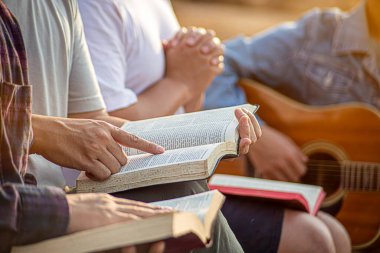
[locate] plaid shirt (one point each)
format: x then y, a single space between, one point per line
27 213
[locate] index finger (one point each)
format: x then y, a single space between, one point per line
255 123
244 127
177 37
133 141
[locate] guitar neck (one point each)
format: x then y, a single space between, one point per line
360 176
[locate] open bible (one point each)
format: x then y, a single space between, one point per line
303 197
194 143
189 227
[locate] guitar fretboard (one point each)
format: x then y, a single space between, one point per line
360 176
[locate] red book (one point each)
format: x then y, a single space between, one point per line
303 197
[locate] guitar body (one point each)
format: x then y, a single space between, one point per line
333 133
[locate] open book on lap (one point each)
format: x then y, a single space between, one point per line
194 143
188 228
303 197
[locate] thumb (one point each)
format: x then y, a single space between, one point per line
133 141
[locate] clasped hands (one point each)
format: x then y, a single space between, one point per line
200 54
194 57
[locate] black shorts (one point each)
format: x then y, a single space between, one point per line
257 224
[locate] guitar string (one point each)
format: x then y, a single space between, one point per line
344 161
315 170
334 180
337 185
338 168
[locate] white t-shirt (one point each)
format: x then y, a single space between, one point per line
60 67
125 42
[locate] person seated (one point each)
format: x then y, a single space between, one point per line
65 86
125 40
28 211
326 57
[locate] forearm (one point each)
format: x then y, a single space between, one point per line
41 131
100 115
161 99
28 213
196 104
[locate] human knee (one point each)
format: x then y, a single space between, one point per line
305 233
318 236
339 233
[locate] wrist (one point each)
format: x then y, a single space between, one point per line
196 104
71 226
42 126
37 123
182 88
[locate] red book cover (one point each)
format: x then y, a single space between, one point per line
280 192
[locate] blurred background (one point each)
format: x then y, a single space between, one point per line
232 17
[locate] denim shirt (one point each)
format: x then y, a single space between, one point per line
323 58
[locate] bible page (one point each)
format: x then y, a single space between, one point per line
171 157
186 119
198 204
189 136
186 130
190 129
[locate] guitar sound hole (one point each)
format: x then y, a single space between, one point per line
323 170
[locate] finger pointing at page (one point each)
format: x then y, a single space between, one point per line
133 141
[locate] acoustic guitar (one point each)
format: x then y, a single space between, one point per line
343 146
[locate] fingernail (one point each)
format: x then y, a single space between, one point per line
165 208
191 41
245 110
205 49
160 149
174 42
215 61
249 141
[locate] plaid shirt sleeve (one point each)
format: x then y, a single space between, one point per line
30 214
27 213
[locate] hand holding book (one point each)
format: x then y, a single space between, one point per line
106 210
194 143
249 129
97 142
189 227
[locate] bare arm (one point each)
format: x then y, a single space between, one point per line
196 104
99 115
161 99
189 71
